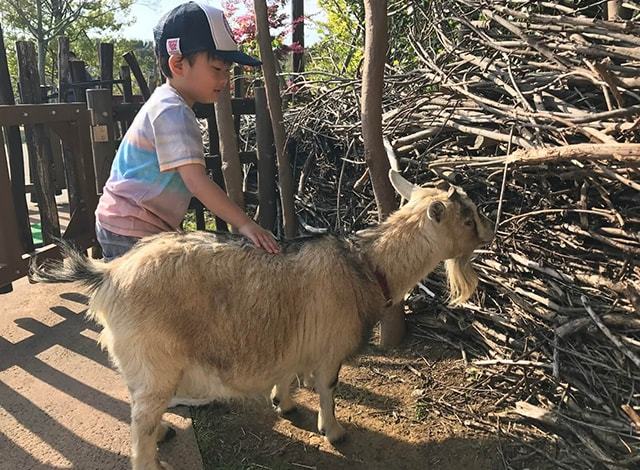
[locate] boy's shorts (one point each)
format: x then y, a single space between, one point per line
113 245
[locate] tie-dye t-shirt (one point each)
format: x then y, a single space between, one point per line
145 194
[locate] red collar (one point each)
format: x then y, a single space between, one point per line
384 286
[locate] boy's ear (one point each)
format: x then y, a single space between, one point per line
176 64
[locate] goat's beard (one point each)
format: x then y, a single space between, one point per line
463 280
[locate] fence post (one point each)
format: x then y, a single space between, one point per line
127 94
266 162
102 135
16 156
38 143
130 58
56 151
64 96
78 74
231 168
105 55
10 249
214 149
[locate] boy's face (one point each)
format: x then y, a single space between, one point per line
202 81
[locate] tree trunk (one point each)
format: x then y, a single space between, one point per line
274 101
375 45
392 327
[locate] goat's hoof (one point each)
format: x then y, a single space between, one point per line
283 407
335 435
166 433
282 411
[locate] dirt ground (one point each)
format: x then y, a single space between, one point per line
377 402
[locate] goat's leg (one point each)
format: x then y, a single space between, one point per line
165 432
147 406
326 380
281 397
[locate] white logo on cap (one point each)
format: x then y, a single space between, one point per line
173 46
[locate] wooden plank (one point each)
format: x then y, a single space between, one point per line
131 60
16 157
29 114
38 143
102 138
105 56
266 162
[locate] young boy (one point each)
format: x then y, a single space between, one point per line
160 162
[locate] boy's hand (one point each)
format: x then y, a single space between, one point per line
260 237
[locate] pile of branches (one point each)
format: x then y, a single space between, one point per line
534 109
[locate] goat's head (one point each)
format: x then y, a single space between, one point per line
454 226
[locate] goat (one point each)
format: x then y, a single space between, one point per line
195 317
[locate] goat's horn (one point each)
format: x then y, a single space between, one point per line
401 185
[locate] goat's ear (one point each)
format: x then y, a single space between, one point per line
436 211
443 185
403 187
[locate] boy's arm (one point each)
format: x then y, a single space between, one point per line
216 200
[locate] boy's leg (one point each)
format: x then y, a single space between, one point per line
113 245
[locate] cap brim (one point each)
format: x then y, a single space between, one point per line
238 57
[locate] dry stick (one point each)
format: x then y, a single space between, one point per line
504 182
529 40
618 152
634 358
607 241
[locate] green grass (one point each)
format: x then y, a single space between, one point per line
36 233
189 221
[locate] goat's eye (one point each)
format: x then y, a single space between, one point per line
469 222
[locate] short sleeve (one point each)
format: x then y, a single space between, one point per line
177 137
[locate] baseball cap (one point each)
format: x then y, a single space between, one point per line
195 27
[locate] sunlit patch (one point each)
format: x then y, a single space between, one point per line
104 378
26 442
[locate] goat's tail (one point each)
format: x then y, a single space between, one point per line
77 267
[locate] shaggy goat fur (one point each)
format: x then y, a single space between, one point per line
194 317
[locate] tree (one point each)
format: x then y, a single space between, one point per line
340 49
44 20
242 19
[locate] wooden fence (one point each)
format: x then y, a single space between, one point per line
71 145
